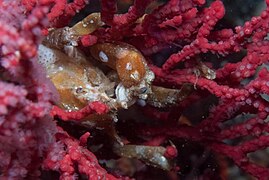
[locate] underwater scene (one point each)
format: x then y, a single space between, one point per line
134 89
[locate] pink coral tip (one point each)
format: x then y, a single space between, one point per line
171 152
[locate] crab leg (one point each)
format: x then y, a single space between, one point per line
164 97
88 24
151 155
69 36
125 59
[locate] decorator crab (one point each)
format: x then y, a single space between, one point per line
79 79
122 79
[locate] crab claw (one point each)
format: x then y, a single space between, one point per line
164 97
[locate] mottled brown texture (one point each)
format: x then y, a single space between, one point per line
124 58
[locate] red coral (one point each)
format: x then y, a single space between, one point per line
94 107
30 138
61 11
25 106
27 129
66 154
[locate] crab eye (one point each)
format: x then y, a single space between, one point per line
143 90
79 90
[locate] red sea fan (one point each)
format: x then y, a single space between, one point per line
27 131
186 31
